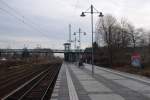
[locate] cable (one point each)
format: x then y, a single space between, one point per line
18 13
24 20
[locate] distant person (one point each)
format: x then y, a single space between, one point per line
80 63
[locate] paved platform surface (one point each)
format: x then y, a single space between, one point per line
76 83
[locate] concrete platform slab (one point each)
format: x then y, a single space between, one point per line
106 97
112 76
75 83
133 85
94 86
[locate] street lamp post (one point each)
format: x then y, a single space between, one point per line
75 45
80 32
100 15
75 40
80 40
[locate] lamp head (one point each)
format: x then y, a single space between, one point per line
74 33
84 33
82 14
101 14
71 41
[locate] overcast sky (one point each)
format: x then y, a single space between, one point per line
45 22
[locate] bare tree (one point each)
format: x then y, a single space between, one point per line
133 34
124 33
106 27
116 35
121 37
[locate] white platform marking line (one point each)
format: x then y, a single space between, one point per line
72 91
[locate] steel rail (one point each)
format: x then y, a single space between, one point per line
20 78
32 87
50 74
23 85
56 73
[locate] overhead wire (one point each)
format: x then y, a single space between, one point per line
18 13
22 18
22 21
31 27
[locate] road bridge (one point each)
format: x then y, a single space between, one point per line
69 55
40 51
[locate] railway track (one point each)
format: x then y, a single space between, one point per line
38 88
8 73
12 82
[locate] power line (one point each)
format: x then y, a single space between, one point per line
21 18
18 13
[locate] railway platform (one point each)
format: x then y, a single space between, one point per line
74 83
